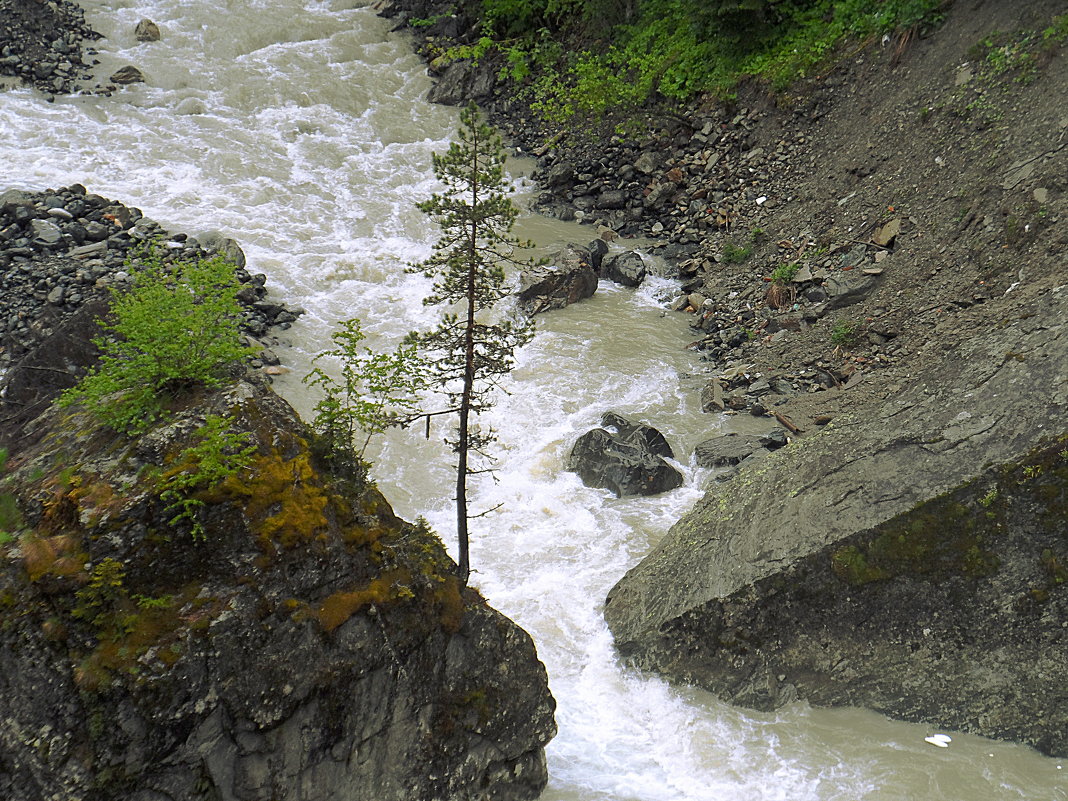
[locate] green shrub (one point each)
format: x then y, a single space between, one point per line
733 254
844 333
376 390
784 273
175 330
681 48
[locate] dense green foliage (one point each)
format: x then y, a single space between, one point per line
470 350
677 48
174 330
376 390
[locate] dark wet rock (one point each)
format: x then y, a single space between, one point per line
567 278
626 268
462 81
598 249
127 75
628 459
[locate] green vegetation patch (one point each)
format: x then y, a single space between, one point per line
173 331
677 49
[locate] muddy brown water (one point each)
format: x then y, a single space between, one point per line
301 129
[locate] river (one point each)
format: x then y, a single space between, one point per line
301 130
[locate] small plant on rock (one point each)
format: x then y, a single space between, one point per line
844 333
174 330
735 254
376 390
218 455
782 293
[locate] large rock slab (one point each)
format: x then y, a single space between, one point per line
628 459
310 645
870 564
727 449
567 277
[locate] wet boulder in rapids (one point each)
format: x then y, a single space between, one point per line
626 268
629 459
568 277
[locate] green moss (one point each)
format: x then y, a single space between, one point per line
852 566
283 499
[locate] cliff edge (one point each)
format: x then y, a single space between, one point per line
307 644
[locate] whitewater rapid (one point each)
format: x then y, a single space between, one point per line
301 130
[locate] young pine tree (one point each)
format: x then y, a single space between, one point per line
470 351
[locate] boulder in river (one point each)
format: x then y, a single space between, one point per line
567 278
126 75
626 268
147 31
629 459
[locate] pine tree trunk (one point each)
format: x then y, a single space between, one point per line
464 562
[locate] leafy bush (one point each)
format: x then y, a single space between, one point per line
174 330
784 273
375 391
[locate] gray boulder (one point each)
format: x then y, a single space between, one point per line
876 562
567 278
848 289
215 242
727 449
627 268
462 81
627 460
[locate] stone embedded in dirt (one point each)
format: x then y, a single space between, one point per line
884 235
147 31
625 268
727 450
568 278
629 459
848 289
127 75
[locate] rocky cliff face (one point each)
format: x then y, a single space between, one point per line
911 562
310 645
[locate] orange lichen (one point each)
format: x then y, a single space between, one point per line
283 499
341 606
57 555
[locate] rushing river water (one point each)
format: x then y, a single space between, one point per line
300 129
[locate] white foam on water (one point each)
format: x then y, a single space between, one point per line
300 129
